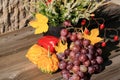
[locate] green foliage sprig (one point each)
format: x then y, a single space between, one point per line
59 11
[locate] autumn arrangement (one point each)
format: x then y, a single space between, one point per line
75 52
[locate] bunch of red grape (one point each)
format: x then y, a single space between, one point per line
81 59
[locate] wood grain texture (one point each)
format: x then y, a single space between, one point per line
15 66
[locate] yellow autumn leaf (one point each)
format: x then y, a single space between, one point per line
61 47
40 23
93 37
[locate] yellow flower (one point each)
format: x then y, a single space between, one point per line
40 23
93 37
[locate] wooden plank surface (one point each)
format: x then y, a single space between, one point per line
15 66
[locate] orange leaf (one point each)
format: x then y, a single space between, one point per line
61 47
93 37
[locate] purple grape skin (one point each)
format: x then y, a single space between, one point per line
81 74
64 71
96 67
79 35
69 67
99 59
86 63
86 42
99 51
83 57
61 56
91 70
84 51
90 56
62 65
93 62
72 55
78 43
64 32
91 47
75 68
67 52
66 76
76 62
73 37
63 38
69 62
77 56
90 51
76 48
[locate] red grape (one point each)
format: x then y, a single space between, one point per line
91 47
67 52
75 69
81 74
62 65
86 42
91 51
71 45
96 67
86 63
77 56
69 62
91 70
69 67
99 59
72 55
79 35
83 57
84 51
73 37
61 56
64 32
78 43
64 71
69 34
76 62
90 56
93 62
76 48
63 38
99 51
